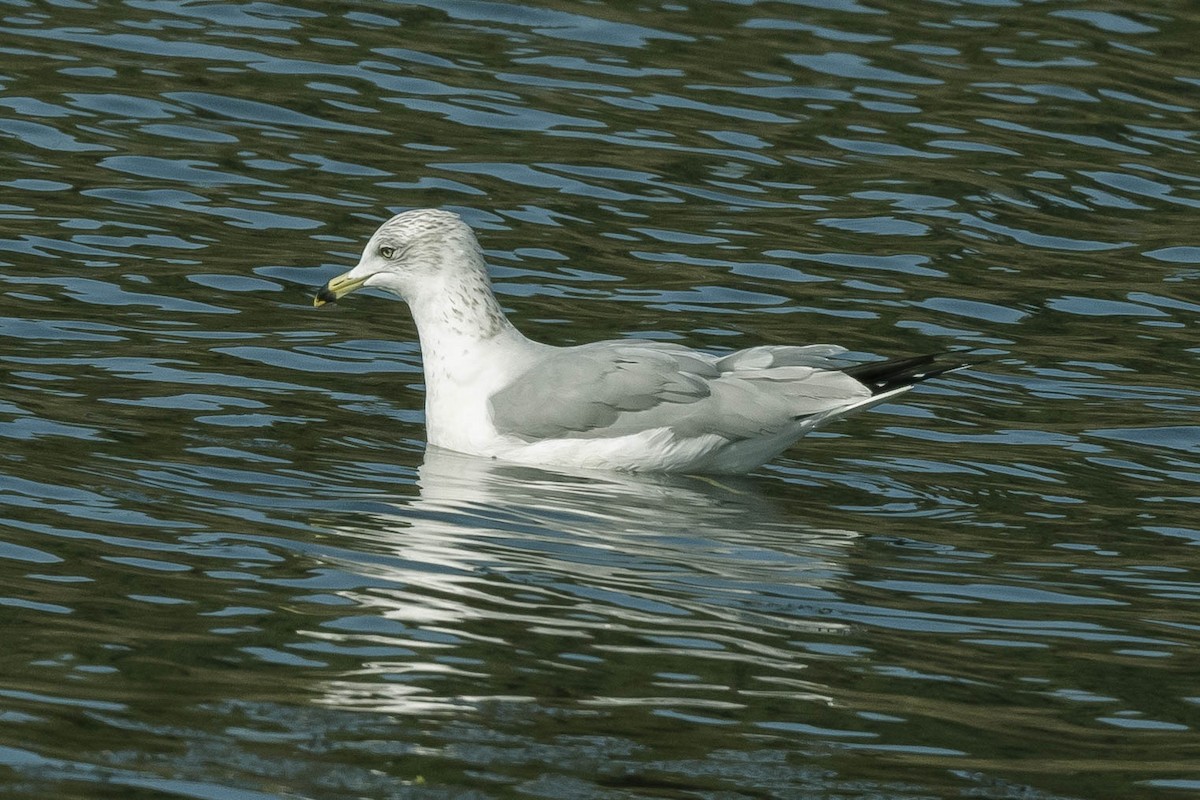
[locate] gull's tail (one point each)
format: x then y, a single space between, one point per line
883 377
887 379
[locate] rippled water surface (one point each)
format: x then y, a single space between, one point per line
230 569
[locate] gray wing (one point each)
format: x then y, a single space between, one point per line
822 356
623 387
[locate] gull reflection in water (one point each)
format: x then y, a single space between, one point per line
492 555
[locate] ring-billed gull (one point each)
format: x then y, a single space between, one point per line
627 404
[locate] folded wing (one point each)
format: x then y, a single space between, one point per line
621 387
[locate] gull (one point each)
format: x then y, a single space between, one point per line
625 404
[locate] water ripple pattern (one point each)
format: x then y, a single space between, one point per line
230 568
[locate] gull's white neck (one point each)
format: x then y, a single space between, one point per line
457 309
469 349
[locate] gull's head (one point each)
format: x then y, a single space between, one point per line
408 251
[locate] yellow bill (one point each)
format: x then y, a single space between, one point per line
337 288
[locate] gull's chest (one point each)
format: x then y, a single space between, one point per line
458 382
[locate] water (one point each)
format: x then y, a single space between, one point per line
229 568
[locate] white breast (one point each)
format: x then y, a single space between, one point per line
459 378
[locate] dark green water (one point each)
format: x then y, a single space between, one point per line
229 569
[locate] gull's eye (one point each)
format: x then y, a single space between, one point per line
387 252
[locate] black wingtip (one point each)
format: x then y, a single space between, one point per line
884 376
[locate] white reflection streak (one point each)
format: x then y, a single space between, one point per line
490 552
